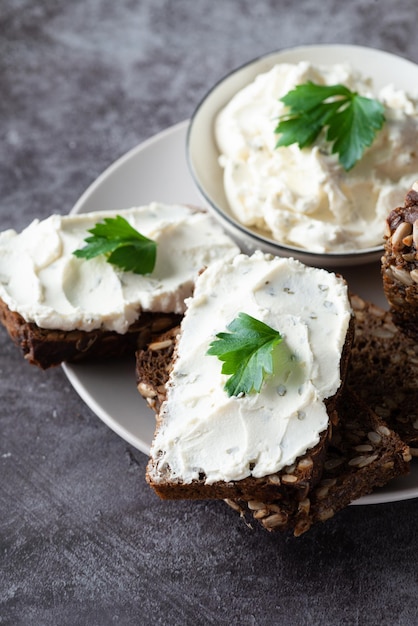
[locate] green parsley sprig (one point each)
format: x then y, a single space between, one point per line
351 120
246 352
123 246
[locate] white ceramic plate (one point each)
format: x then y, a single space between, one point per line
203 153
157 170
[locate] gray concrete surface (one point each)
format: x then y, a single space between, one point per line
83 540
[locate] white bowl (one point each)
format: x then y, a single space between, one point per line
202 152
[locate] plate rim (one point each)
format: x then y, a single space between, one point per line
125 158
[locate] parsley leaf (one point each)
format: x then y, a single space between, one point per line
352 121
246 352
122 244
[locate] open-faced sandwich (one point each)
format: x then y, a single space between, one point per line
252 399
62 300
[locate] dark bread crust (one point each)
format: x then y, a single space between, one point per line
47 348
293 482
399 260
363 454
384 370
153 368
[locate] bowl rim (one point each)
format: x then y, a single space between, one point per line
363 253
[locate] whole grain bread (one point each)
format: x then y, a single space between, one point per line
400 264
40 331
48 347
362 452
292 482
384 369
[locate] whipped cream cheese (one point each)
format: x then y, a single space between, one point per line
304 198
45 283
203 431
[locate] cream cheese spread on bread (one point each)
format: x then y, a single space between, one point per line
202 432
45 283
303 197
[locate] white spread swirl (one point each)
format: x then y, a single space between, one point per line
304 198
41 279
205 432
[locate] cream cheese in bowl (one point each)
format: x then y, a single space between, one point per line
301 202
304 197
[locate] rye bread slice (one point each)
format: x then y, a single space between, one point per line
363 454
47 348
170 283
400 264
384 370
292 482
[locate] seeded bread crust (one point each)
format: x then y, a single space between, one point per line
153 368
400 264
47 347
384 370
363 454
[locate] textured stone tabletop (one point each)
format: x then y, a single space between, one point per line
83 540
